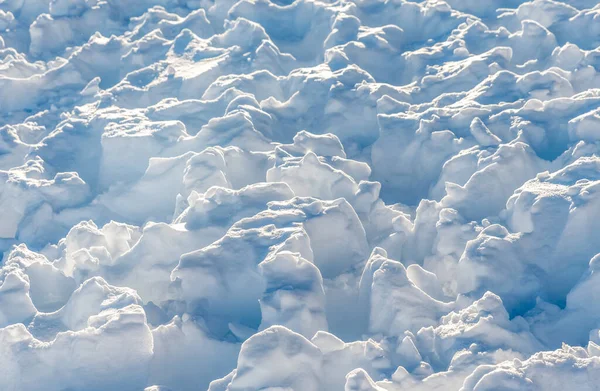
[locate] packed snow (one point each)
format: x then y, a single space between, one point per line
299 195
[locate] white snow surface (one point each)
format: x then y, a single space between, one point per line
299 195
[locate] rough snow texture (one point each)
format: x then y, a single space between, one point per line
309 195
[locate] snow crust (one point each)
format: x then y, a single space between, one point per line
299 195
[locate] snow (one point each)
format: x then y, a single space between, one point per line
298 195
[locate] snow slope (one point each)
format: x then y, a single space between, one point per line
308 195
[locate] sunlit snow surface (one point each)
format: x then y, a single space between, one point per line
318 195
